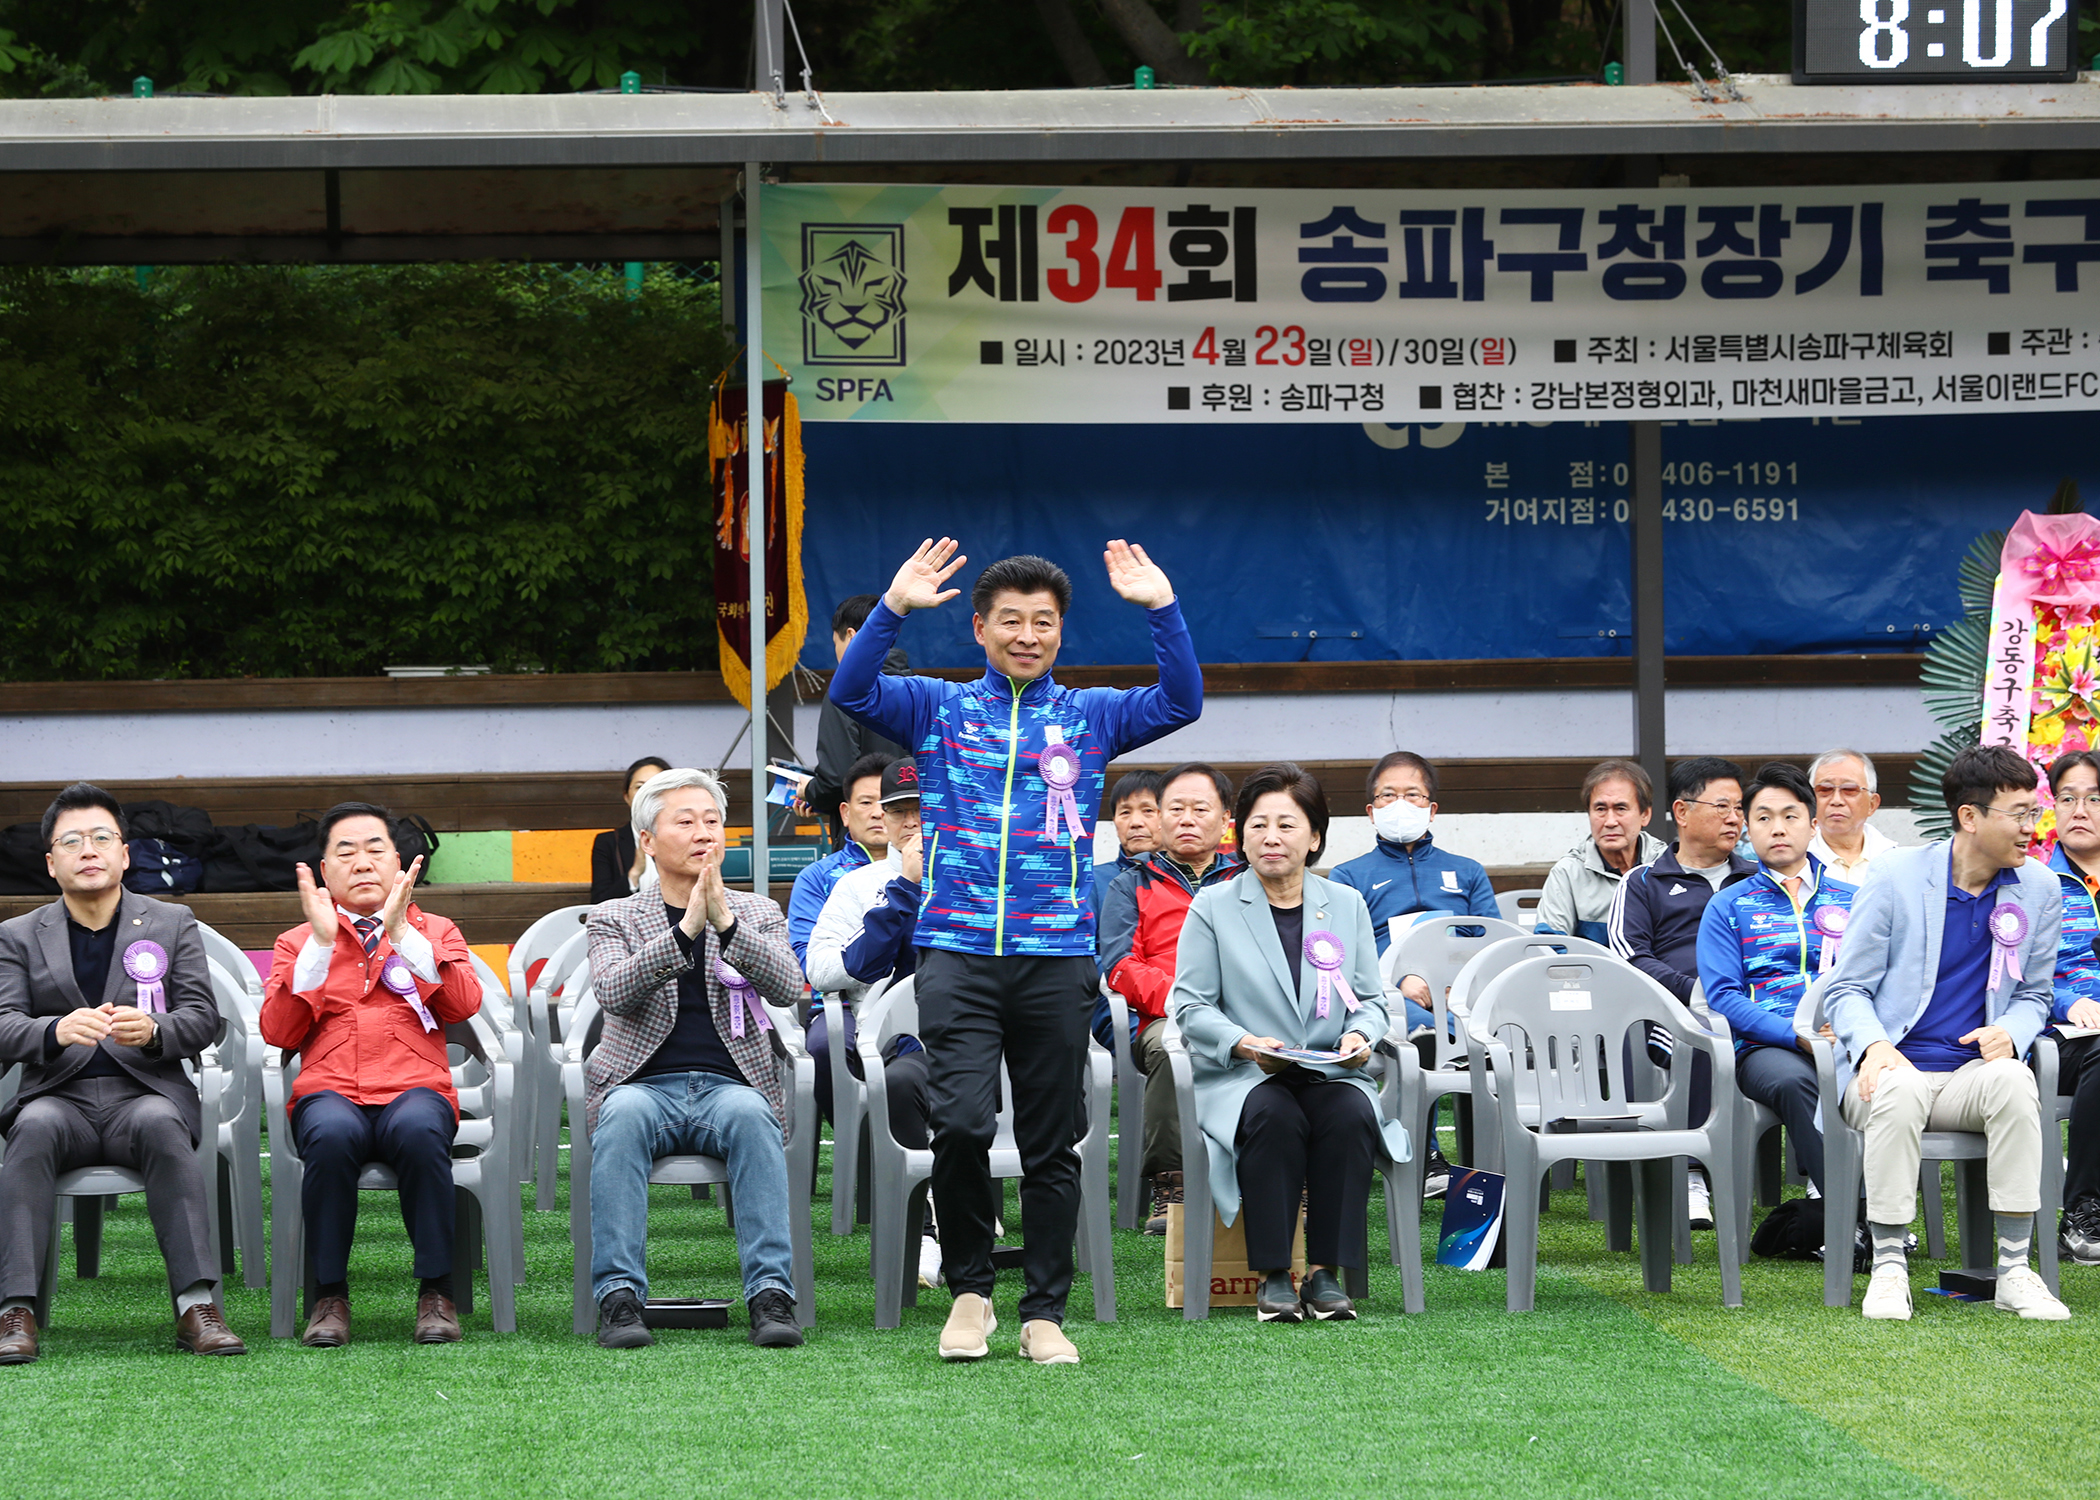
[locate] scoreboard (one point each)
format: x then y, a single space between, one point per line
1935 41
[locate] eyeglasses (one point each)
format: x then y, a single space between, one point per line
1846 789
2073 801
101 838
2027 819
1386 797
1725 809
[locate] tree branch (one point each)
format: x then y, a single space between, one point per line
1072 47
1153 41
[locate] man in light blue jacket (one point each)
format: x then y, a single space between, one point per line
1944 980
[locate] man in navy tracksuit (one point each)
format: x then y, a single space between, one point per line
1407 872
1761 943
1010 770
1655 917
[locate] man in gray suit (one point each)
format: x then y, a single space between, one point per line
1945 976
103 993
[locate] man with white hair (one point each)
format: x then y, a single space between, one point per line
1847 795
686 1062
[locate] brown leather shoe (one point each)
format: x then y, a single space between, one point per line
329 1327
203 1330
437 1320
17 1336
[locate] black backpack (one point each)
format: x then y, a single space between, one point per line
260 857
415 839
185 828
159 868
22 868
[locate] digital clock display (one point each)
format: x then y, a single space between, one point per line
1934 41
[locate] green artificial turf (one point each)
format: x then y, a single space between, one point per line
1603 1391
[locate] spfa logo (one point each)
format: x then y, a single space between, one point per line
853 294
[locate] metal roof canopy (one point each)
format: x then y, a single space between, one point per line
616 177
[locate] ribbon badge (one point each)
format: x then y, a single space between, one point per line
743 996
396 975
2008 930
1830 921
1325 952
147 962
1060 769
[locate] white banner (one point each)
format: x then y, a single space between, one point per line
985 304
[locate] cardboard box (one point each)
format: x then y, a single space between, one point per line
1232 1282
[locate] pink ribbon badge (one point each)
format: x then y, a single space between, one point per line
1830 921
743 996
1325 952
2008 925
147 962
1060 771
396 975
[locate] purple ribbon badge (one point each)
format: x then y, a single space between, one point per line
1325 952
1830 921
396 975
1060 770
2008 930
743 996
147 962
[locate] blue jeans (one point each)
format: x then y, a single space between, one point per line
675 1114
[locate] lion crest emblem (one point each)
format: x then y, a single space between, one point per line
852 294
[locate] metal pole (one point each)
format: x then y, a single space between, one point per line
1648 702
1640 41
768 46
755 530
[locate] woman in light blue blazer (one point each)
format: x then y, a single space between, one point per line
1278 959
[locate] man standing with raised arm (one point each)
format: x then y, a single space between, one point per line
1010 773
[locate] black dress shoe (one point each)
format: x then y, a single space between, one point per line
1324 1299
620 1324
1277 1301
773 1320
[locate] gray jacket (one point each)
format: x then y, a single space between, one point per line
1230 981
1580 888
36 987
1890 958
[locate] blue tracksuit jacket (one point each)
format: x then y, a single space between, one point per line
2077 970
1757 955
994 883
1395 879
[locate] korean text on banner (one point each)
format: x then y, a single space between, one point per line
986 304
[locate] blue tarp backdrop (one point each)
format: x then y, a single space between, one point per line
1436 543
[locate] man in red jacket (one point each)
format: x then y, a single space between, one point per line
1140 935
364 990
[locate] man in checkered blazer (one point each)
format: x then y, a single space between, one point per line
686 1063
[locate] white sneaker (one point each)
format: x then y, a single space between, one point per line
1700 1199
929 1262
1888 1294
2023 1292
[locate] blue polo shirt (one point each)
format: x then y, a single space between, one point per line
1963 984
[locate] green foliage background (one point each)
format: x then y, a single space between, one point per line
327 471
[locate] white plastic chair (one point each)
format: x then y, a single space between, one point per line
586 1024
898 1176
849 1118
488 1194
222 950
1520 907
1562 1025
1436 946
86 1187
539 1081
238 1174
1131 1204
1844 1166
1399 1073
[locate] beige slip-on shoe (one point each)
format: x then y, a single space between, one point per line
969 1327
1045 1343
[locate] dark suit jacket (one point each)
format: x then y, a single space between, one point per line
612 856
36 987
